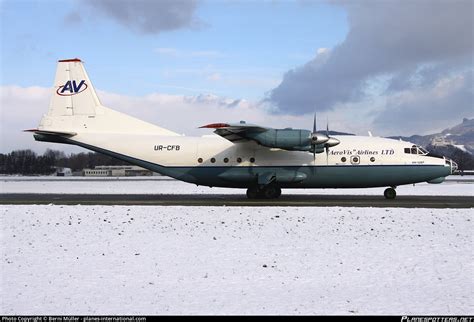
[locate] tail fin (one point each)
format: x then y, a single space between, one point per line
73 91
75 107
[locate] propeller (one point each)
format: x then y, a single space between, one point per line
317 138
322 139
330 142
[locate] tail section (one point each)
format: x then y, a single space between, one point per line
76 108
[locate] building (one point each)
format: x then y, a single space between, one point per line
117 171
63 172
441 141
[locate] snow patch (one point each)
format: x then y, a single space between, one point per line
59 260
166 185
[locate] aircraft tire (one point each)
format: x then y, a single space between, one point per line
390 193
253 193
278 193
271 192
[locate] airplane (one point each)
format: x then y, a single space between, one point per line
260 159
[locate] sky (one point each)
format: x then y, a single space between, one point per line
394 68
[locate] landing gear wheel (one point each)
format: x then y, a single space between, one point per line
271 192
253 193
390 193
278 193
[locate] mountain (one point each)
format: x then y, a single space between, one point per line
456 143
465 128
460 136
464 160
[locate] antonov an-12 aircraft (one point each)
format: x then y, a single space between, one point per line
263 160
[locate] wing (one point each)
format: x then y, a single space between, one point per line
236 133
285 139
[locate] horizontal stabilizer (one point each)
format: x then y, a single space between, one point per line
36 131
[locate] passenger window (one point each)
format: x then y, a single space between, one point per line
355 159
239 160
226 160
252 160
213 160
407 150
343 159
414 151
372 159
200 160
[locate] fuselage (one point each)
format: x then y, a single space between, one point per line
357 162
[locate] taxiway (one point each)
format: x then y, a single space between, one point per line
297 200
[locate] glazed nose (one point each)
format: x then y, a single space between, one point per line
453 165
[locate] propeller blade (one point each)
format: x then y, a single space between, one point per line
314 123
327 146
314 131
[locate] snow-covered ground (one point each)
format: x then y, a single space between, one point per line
454 186
233 260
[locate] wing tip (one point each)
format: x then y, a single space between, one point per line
214 126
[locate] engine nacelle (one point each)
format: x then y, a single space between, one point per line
286 139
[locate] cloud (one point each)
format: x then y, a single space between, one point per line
147 16
430 109
72 18
22 109
411 46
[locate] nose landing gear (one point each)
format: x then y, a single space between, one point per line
390 193
265 192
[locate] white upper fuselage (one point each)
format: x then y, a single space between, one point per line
184 151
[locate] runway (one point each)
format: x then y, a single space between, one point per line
299 200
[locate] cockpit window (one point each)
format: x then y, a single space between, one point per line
422 150
416 149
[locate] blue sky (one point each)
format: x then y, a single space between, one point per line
239 49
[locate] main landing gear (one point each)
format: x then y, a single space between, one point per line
265 192
390 193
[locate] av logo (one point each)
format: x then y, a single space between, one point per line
72 88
